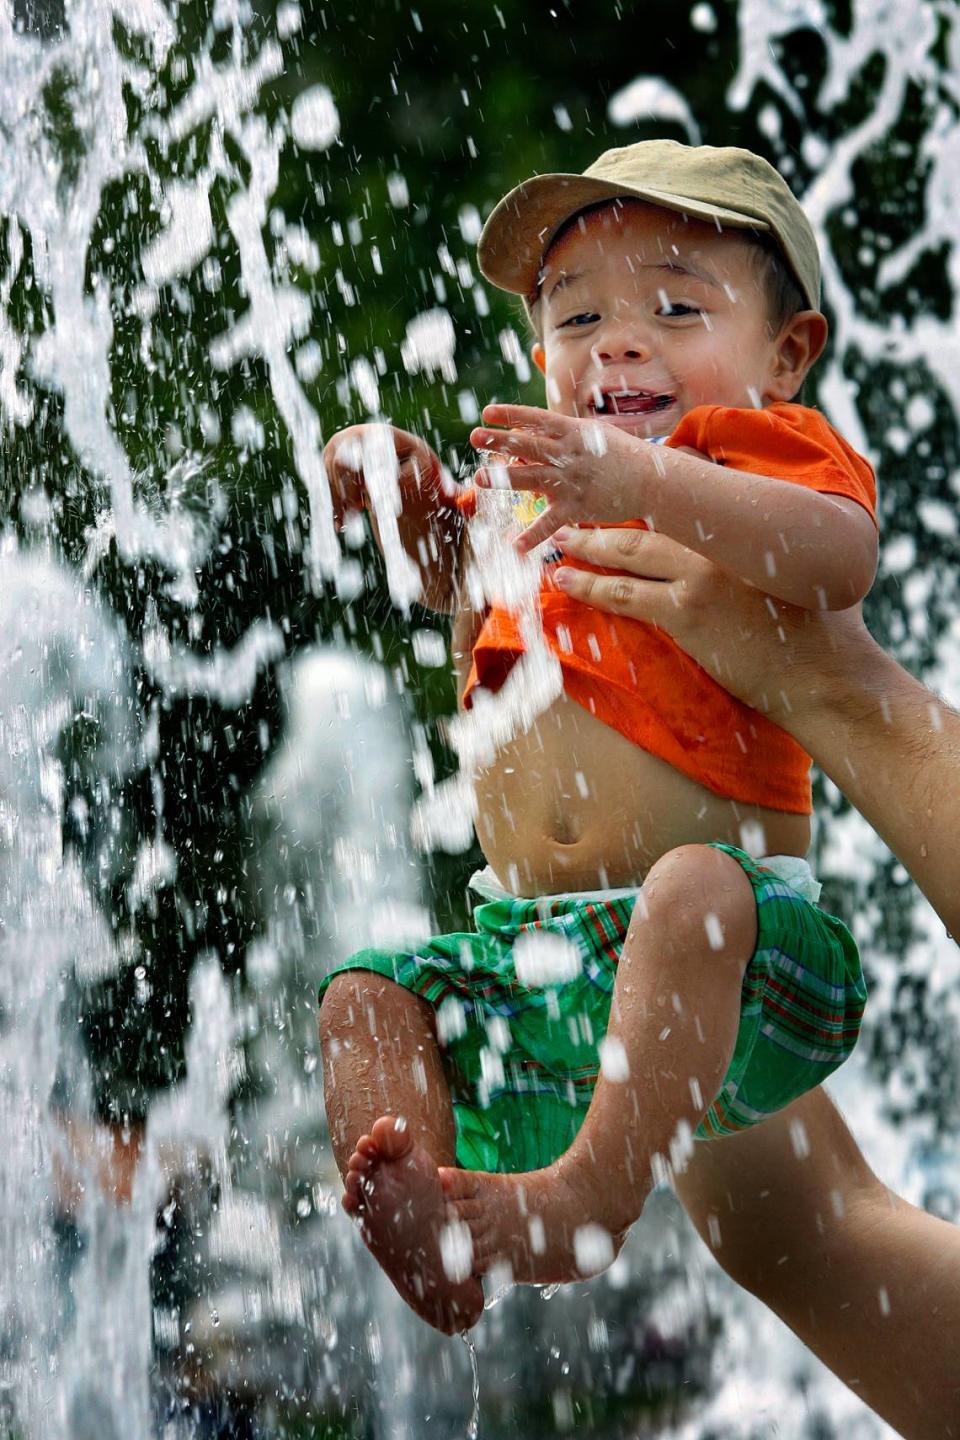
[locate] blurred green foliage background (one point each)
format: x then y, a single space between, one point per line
442 108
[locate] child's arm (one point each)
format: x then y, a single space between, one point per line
429 523
810 549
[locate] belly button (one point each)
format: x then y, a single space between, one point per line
563 832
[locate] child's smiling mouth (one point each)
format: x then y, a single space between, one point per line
621 403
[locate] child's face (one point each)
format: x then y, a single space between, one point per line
647 315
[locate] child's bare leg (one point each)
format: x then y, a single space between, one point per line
391 1126
673 1026
380 1057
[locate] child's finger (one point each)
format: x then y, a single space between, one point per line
520 477
516 444
526 417
540 529
352 502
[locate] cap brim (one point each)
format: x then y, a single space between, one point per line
519 231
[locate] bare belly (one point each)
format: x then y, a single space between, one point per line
574 805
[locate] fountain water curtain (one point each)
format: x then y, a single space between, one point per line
61 656
110 108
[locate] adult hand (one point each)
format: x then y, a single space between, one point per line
774 656
891 746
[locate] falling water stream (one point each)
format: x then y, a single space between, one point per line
278 1311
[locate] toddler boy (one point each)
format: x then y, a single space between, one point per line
639 970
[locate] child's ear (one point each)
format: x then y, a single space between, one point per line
539 357
799 346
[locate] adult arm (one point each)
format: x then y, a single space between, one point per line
865 1280
809 548
888 742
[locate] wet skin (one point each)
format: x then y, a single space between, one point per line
392 1189
662 317
651 316
574 805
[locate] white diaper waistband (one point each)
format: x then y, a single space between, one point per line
793 870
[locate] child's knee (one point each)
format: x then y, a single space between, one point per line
363 1006
701 893
346 1005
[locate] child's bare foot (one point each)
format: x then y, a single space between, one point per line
393 1189
544 1224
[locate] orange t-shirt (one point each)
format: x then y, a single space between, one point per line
634 678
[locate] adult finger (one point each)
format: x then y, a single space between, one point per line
645 553
650 600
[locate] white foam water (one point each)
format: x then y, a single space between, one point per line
61 655
333 845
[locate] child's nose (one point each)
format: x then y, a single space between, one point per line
614 348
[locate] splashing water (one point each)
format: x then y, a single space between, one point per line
878 326
62 658
473 1426
200 145
497 575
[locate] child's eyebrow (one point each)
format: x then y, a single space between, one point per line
567 277
664 267
687 267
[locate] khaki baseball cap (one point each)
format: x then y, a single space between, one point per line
722 184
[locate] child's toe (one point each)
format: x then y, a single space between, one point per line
458 1185
471 1212
392 1137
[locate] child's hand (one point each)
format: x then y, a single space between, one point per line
420 475
586 469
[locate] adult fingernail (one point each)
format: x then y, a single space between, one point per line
562 535
563 577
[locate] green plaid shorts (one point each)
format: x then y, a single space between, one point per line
521 1054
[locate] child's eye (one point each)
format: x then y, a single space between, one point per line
586 317
678 308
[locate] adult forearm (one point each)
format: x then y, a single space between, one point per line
865 1280
890 745
893 748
